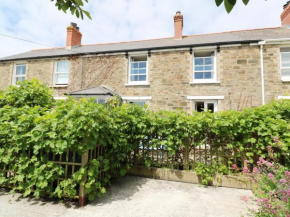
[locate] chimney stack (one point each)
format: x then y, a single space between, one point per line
285 16
178 25
74 37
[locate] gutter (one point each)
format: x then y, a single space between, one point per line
261 43
138 49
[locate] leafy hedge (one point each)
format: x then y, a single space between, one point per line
30 120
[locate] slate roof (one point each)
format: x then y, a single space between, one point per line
99 90
243 36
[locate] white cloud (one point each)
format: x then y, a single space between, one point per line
124 20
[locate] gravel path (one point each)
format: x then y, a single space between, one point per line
140 197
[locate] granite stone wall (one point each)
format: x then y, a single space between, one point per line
170 77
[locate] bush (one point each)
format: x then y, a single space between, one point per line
30 123
31 93
271 183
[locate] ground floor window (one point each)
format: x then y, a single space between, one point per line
140 103
205 105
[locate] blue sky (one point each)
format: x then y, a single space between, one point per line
125 20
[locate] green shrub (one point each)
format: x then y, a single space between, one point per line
29 92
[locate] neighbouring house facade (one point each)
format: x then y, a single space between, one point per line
219 71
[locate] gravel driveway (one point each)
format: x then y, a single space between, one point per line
140 197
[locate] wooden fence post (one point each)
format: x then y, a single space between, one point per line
186 154
82 191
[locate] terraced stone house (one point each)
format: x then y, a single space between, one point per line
219 71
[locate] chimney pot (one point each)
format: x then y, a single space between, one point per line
178 25
285 16
74 37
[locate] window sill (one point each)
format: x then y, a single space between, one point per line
137 84
205 82
285 79
64 85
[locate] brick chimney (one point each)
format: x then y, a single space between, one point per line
74 37
285 16
178 25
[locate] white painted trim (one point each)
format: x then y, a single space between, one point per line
283 97
206 102
204 97
137 97
200 81
262 73
147 70
55 73
283 78
18 63
60 98
205 82
137 84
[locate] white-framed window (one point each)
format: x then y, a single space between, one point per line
285 64
139 100
19 73
205 105
61 72
140 103
204 66
138 69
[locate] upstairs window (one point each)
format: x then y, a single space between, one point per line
19 73
204 66
285 64
138 72
61 72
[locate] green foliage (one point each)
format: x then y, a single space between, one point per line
31 93
206 172
75 7
229 4
31 130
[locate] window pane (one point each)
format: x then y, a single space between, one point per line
139 103
210 107
134 78
20 79
198 61
198 68
134 71
61 78
199 106
101 101
142 78
142 71
62 66
134 65
208 61
208 68
208 75
198 75
142 65
20 70
286 72
285 59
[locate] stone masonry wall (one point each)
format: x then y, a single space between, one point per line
170 73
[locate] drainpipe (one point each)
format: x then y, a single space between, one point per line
261 43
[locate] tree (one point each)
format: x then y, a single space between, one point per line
75 7
229 4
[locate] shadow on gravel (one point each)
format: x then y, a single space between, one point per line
123 189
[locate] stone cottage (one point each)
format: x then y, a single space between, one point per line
218 71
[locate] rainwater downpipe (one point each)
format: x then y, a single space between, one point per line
261 43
